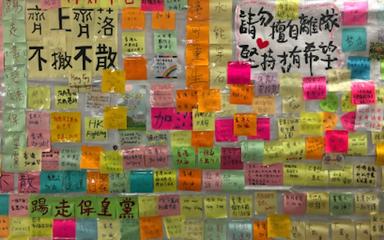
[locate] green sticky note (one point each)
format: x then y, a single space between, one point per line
181 138
70 158
215 230
232 180
85 207
330 103
382 69
252 151
15 53
106 207
209 158
129 229
38 206
183 157
16 95
14 30
133 42
119 182
62 207
14 120
94 129
127 207
165 42
155 138
176 5
14 141
341 203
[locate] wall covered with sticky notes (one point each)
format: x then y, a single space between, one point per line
192 119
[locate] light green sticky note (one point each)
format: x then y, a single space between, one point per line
165 42
16 95
70 158
357 144
133 42
127 207
119 182
203 121
330 103
94 129
39 97
14 141
176 5
15 53
252 151
341 203
232 180
14 120
155 138
181 138
129 229
14 30
183 157
209 158
215 230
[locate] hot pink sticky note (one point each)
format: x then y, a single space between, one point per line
169 205
363 92
64 229
259 174
37 120
348 121
355 13
50 160
162 118
18 205
7 182
314 87
156 157
29 182
239 73
224 130
294 203
162 95
182 121
336 141
231 158
151 5
134 157
212 180
263 130
39 139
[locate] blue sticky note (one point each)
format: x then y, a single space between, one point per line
240 230
360 67
86 229
4 204
52 181
141 181
354 39
75 181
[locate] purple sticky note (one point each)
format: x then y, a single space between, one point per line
314 87
29 182
355 13
231 158
294 203
152 5
224 130
169 205
263 130
18 205
348 121
64 229
162 118
239 73
212 180
259 174
7 182
336 141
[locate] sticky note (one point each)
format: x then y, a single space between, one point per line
162 118
318 203
4 226
354 39
132 18
191 206
164 181
357 144
241 94
115 117
294 203
130 229
343 229
177 5
183 157
69 158
202 138
189 180
287 10
165 20
186 100
376 225
314 148
355 13
258 174
133 43
113 81
360 67
157 156
263 129
369 117
314 88
265 202
107 228
348 121
169 205
279 226
260 229
141 181
135 68
238 73
329 120
224 130
215 230
19 227
366 203
209 100
231 158
4 204
215 206
311 123
203 121
336 141
317 230
65 98
245 124
65 126
85 228
174 226
151 228
94 129
64 228
148 206
240 206
152 6
165 42
242 230
341 203
97 182
111 162
330 103
338 79
39 97
232 180
208 158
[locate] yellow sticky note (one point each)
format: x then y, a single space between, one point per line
305 175
357 144
113 81
39 97
317 230
377 137
111 162
115 117
240 206
380 154
293 149
19 227
338 80
181 138
148 206
65 127
318 203
265 203
366 203
108 229
29 160
379 95
288 127
341 177
133 43
264 105
94 129
65 98
203 121
311 123
41 227
363 231
191 206
174 226
272 152
298 230
193 229
343 230
164 181
287 9
215 206
377 224
279 226
346 102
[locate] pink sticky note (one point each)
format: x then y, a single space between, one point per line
50 160
39 139
37 120
169 205
212 180
294 203
134 157
224 130
18 205
363 92
259 174
182 121
348 121
50 4
239 73
162 118
263 130
156 157
29 182
162 95
314 87
7 182
231 158
355 13
369 117
336 141
151 5
64 229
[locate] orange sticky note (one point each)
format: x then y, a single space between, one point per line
164 20
380 154
202 138
186 100
4 226
151 228
189 180
135 68
198 10
209 100
65 127
115 117
314 148
245 124
260 230
197 32
113 81
197 77
329 120
90 157
132 18
241 94
197 54
97 183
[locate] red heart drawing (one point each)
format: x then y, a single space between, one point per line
262 44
